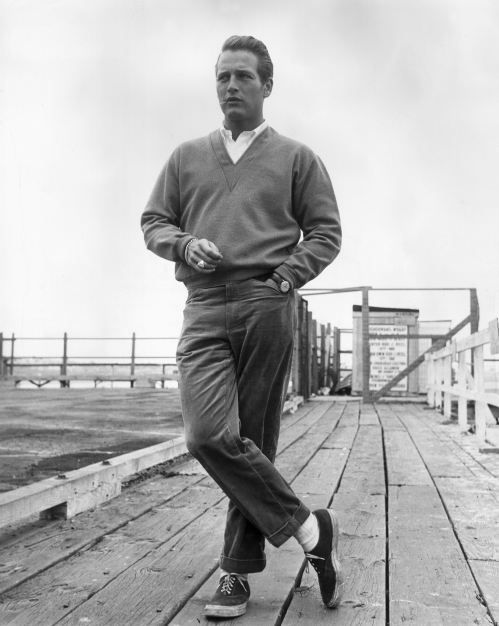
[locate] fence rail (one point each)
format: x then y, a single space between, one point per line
310 371
466 357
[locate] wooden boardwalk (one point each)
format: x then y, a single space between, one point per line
418 507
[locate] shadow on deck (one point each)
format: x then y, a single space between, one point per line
418 507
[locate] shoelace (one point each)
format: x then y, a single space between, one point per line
228 583
313 560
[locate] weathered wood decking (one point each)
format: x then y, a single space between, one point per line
418 508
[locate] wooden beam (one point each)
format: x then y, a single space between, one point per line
81 489
417 362
366 353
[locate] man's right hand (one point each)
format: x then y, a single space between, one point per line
204 252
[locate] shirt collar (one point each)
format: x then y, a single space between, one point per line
227 134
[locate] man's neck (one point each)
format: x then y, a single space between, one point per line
236 128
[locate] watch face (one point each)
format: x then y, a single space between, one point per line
285 286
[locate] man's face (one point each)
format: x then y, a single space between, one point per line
239 88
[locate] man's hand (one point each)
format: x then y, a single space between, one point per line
203 256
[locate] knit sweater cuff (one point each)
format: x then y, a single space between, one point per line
285 273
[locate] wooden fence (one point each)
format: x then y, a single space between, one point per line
457 371
310 371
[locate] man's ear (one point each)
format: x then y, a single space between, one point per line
267 87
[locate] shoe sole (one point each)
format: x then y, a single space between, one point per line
218 610
335 561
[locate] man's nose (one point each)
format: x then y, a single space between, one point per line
232 86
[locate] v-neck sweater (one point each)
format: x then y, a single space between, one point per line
254 211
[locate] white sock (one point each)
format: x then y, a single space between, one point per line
308 533
224 573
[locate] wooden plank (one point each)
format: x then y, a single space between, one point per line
436 454
25 554
487 575
430 582
190 500
211 545
314 411
471 502
82 489
473 508
368 416
360 504
57 591
154 588
404 464
272 590
388 417
463 445
365 470
293 458
362 555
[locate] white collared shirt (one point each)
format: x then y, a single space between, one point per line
237 148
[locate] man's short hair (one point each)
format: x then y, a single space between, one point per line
257 47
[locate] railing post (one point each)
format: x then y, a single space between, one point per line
323 364
474 312
438 383
64 364
480 406
430 379
336 353
132 360
462 402
11 364
366 354
447 363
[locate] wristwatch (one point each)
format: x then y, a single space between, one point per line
284 285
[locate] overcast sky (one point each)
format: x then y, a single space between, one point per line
399 98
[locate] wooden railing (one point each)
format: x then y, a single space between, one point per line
458 370
310 372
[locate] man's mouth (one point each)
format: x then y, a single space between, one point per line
232 100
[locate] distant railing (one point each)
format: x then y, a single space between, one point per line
468 383
89 367
310 373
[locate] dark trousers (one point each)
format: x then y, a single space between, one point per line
233 358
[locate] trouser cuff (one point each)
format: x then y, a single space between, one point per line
290 527
242 566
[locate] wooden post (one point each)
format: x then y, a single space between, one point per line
438 383
11 364
474 322
314 373
474 312
366 368
304 356
337 353
323 363
462 402
430 377
295 365
480 407
447 363
132 360
64 365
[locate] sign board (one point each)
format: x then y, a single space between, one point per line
388 356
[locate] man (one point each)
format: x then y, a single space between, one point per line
229 210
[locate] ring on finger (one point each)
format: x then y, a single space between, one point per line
201 264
